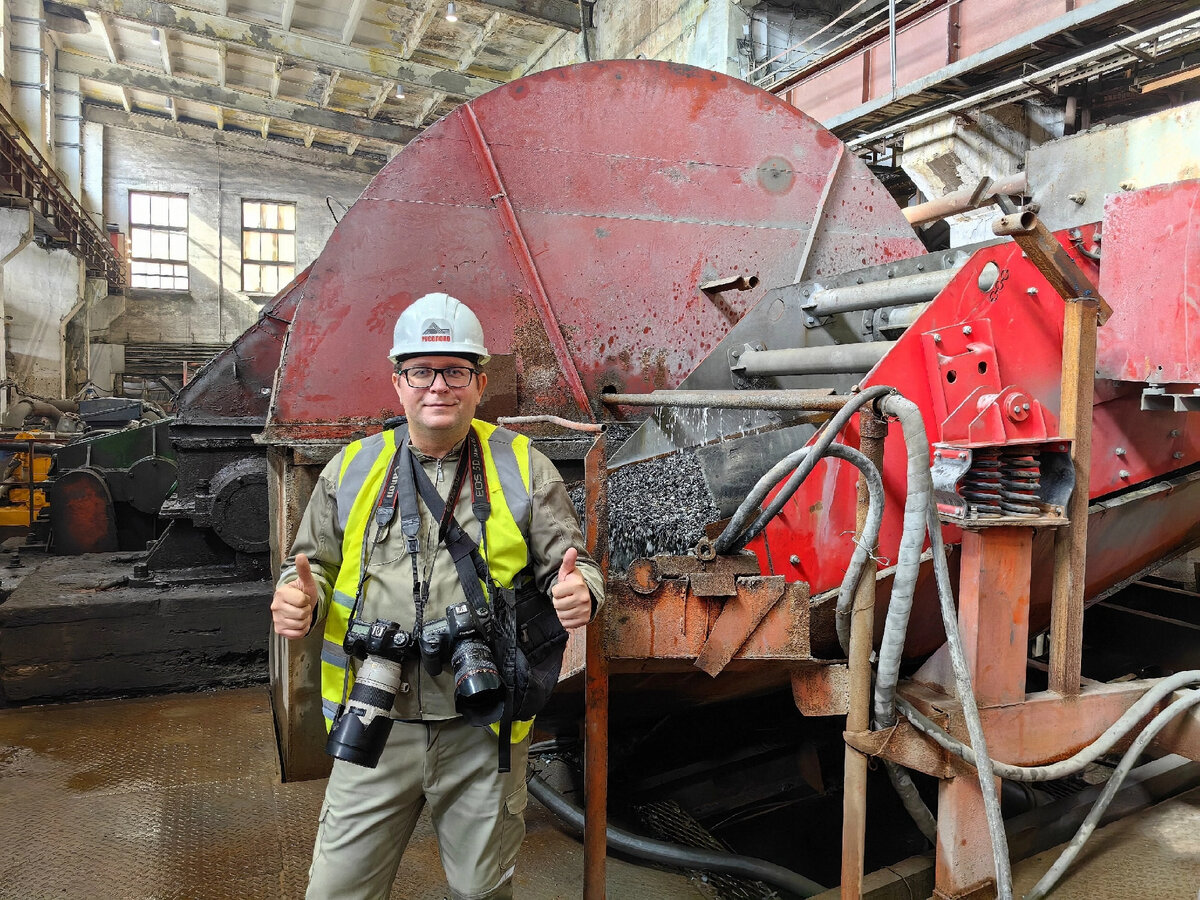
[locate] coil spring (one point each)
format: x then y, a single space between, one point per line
1003 483
1019 481
980 487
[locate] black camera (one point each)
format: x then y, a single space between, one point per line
463 637
361 729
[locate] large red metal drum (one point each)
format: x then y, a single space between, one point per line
579 211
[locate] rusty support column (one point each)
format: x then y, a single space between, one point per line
1070 542
873 430
595 767
993 619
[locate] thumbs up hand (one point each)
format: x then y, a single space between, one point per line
293 603
571 598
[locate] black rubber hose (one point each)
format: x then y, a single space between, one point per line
673 855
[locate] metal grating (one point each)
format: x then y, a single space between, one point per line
158 798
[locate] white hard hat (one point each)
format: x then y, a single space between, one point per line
438 324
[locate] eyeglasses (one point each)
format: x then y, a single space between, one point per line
421 377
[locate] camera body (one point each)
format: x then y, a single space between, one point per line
362 726
378 638
463 637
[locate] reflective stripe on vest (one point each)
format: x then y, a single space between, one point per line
364 466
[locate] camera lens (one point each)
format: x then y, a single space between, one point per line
361 731
478 691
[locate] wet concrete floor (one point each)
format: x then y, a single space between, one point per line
179 796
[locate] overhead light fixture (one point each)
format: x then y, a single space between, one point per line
155 37
399 92
451 12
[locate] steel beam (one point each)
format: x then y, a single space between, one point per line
255 104
206 134
292 45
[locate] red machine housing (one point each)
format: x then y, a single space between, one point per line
579 211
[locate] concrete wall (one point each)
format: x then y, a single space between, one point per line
216 180
40 287
703 33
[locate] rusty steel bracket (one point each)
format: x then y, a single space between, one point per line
741 614
1051 259
708 578
904 745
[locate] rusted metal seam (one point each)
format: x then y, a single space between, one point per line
541 300
811 237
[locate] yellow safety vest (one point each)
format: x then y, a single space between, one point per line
365 464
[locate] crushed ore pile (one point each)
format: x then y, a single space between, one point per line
657 506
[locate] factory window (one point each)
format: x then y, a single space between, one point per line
268 245
158 241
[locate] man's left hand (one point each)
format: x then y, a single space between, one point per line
572 600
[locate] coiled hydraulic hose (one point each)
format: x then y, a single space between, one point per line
736 535
674 855
920 503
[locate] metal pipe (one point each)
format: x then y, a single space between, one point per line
877 294
595 720
732 283
872 431
892 41
821 400
592 427
961 201
836 359
30 446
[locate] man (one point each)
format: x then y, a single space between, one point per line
350 562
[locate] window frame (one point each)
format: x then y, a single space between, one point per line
277 264
185 262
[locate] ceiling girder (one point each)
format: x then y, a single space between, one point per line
291 45
353 16
244 101
277 148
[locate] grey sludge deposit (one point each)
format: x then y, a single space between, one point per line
655 507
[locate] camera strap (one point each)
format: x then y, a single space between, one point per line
470 564
463 550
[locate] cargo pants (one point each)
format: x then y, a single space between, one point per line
369 814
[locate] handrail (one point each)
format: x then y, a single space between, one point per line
34 179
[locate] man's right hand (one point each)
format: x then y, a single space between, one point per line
293 604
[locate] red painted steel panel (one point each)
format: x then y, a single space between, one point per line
830 91
816 525
632 182
986 23
921 48
1136 344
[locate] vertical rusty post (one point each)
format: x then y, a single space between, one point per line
1070 543
595 746
1085 311
872 431
993 618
